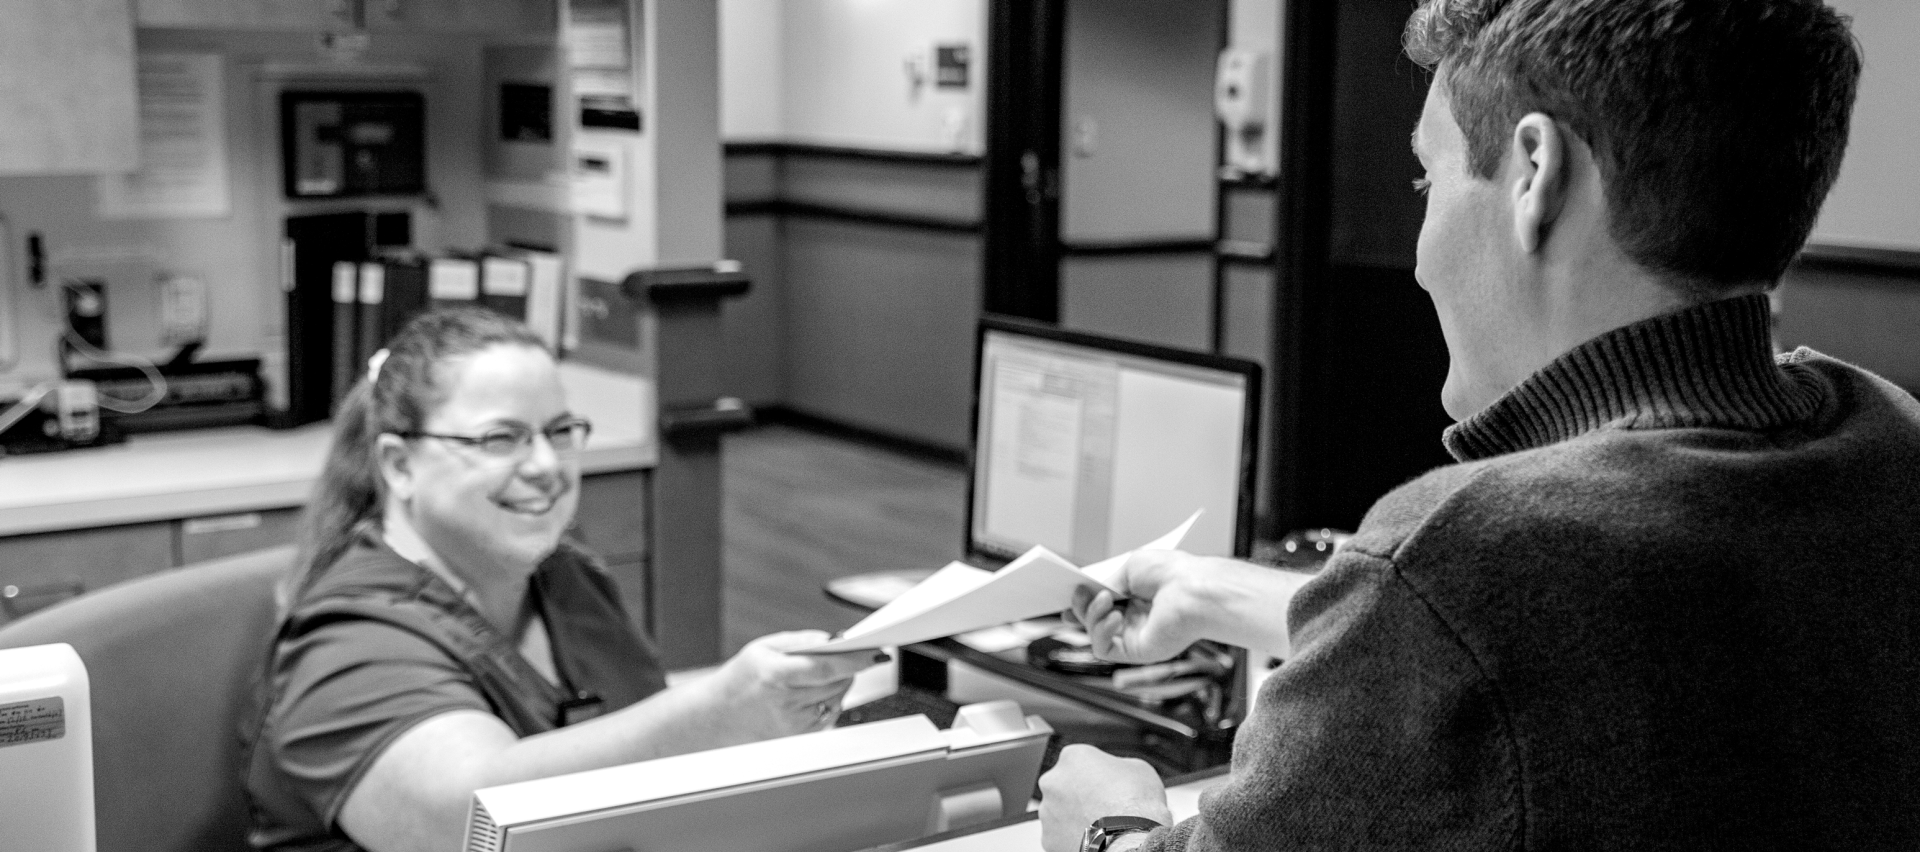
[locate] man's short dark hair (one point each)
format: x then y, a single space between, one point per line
1718 124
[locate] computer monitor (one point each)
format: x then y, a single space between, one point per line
46 750
847 788
1092 446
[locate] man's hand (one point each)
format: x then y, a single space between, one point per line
1164 612
1087 784
1168 600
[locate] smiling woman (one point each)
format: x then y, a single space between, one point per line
438 635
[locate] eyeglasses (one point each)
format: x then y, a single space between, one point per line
514 441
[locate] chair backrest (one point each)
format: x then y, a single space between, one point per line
173 660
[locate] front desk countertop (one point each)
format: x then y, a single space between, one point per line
249 468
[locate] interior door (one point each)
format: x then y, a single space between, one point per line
1022 243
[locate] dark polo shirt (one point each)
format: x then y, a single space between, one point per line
381 644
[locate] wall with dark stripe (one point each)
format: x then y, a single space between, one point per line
1864 313
866 271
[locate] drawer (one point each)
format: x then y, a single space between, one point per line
43 569
214 536
612 518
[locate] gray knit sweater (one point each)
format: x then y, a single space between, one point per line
1668 599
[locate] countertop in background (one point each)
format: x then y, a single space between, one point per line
249 468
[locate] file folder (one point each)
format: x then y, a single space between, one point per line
546 276
504 285
453 281
346 300
371 320
406 291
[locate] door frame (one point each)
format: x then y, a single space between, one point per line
1021 262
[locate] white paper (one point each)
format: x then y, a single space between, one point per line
961 598
1107 571
183 143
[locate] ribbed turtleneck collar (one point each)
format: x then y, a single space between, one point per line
1710 365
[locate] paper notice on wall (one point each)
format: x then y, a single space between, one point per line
183 143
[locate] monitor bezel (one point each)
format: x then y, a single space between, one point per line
1249 428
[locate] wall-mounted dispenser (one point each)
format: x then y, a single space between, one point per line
1242 100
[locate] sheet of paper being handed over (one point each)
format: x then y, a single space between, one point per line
961 598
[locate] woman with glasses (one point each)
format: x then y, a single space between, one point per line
438 636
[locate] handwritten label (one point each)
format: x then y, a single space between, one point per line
33 721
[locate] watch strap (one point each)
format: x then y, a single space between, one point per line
1103 830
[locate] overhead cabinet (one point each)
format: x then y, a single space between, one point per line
478 16
66 87
265 15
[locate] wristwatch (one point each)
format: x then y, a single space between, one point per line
1103 830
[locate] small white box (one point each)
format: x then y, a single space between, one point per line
46 750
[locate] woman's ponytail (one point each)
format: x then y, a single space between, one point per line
347 494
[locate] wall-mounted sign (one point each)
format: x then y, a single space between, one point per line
183 142
338 144
950 66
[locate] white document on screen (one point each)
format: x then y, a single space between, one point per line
961 598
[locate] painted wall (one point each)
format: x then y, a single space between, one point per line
232 255
840 72
1258 25
752 51
1869 320
1876 201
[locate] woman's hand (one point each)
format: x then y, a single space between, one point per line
767 692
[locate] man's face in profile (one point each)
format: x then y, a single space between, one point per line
1464 257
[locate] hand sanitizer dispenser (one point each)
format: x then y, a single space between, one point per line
1242 100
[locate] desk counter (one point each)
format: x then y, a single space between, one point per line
243 469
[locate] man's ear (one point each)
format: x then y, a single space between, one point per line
1539 177
394 465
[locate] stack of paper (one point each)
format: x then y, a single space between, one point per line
961 598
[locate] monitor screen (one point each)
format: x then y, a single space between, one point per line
1092 446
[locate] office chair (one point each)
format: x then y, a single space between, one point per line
172 660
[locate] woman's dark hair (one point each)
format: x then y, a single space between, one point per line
1718 125
395 397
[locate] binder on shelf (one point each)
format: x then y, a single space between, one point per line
453 281
346 299
569 311
504 284
406 291
301 378
372 316
546 278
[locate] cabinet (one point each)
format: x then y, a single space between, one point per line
67 88
612 521
42 569
45 568
516 17
497 16
267 15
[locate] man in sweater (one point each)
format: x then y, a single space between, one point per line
1670 595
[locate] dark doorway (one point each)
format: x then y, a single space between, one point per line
1358 354
1022 244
